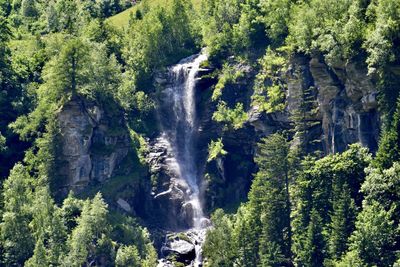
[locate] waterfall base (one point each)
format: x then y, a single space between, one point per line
184 248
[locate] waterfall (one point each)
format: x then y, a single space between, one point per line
179 125
182 127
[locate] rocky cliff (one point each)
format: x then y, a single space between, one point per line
96 143
345 100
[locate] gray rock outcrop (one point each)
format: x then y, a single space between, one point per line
93 143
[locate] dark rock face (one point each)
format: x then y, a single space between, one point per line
348 105
345 99
93 143
226 179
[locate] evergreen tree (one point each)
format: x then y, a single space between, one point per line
329 186
39 256
246 237
48 230
219 246
127 256
389 143
68 18
28 8
17 240
342 223
269 198
374 237
85 239
11 97
314 245
304 118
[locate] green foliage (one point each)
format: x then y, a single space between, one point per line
52 52
269 200
331 27
320 187
383 51
232 118
78 68
389 143
219 246
162 37
230 75
133 100
276 16
374 236
17 240
48 229
304 118
314 243
383 35
269 87
260 233
91 228
2 143
342 223
382 186
231 27
215 150
127 256
28 8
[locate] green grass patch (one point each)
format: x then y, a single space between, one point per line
121 20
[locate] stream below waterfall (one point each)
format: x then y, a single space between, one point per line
179 126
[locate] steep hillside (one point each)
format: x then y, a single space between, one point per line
200 133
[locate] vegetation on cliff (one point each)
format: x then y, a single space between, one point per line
304 208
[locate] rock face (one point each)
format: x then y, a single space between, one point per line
170 197
93 143
346 98
346 112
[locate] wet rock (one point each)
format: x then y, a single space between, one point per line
348 106
180 249
124 205
184 247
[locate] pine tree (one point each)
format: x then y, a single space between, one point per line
342 223
16 238
314 245
91 229
48 229
219 246
269 198
39 256
389 144
28 8
304 118
127 256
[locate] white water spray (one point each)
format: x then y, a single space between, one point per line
182 133
180 128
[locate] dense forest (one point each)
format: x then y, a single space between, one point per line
294 133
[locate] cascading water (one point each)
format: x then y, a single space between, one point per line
179 126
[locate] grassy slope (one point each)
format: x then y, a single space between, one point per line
121 20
